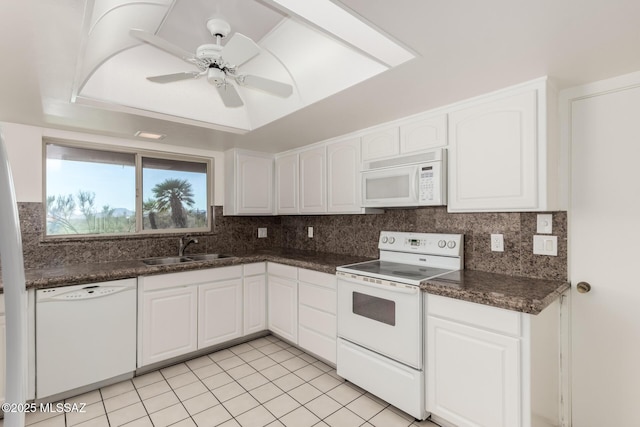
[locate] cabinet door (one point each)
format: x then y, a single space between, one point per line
343 176
381 143
287 184
255 304
493 155
313 181
473 375
169 323
219 312
254 184
283 307
423 133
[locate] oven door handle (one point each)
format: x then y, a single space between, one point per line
404 289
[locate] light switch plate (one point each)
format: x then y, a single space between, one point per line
497 243
545 245
310 232
262 232
545 222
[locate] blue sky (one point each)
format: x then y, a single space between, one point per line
114 184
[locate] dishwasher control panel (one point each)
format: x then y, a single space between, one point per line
82 292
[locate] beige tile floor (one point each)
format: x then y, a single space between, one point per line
265 382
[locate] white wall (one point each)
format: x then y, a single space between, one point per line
24 146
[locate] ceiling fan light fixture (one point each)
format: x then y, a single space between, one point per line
215 76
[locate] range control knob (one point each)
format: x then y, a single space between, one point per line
442 244
384 239
392 240
451 244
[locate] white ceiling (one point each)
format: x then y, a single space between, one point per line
466 48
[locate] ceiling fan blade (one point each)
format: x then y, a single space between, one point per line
239 49
271 86
161 43
229 95
168 78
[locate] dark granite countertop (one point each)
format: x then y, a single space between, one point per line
521 294
76 274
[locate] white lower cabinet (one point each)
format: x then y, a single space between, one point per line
282 296
481 364
179 313
169 324
474 375
254 283
219 312
317 323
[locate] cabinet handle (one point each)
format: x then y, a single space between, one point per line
583 287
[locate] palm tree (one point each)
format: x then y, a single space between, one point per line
150 206
172 194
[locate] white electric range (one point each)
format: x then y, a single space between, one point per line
380 315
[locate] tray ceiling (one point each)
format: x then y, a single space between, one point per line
113 65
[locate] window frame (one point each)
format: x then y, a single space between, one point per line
139 154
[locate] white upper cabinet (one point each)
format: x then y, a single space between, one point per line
381 143
287 184
406 136
423 133
248 183
343 176
502 154
313 180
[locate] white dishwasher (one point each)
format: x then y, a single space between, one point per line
85 334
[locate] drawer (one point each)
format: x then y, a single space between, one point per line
255 268
482 316
317 297
318 321
283 270
318 278
194 277
317 344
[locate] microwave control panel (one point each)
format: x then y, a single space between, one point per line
426 182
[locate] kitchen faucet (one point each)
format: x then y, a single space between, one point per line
188 239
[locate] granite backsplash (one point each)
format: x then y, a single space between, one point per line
342 234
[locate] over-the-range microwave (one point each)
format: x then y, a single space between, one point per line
414 180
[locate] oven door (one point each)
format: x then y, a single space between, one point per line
382 318
397 186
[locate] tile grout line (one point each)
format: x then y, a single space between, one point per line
309 361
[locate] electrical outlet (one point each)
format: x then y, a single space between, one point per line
262 232
544 224
310 232
545 245
497 243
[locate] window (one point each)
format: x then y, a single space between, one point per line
175 194
93 191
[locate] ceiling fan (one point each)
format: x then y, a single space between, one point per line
218 63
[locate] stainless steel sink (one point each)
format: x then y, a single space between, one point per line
167 260
209 257
183 259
